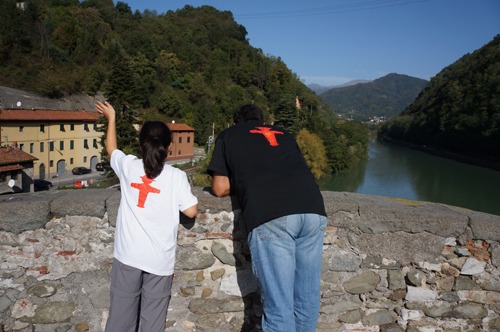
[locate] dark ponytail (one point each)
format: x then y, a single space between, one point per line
154 139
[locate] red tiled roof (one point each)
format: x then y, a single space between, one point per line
47 115
9 168
179 127
10 155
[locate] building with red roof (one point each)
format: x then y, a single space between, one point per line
16 170
182 141
58 139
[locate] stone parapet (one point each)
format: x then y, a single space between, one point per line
388 265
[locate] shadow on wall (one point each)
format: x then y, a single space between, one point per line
240 258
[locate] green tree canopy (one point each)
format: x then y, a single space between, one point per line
314 152
460 108
192 65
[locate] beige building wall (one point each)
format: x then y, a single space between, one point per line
59 146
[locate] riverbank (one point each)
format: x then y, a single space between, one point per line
490 162
399 171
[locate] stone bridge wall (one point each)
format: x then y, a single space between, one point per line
388 265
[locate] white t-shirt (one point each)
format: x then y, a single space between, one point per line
148 216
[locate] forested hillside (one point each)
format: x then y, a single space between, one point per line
192 65
386 96
460 108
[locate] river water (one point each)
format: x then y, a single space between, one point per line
401 172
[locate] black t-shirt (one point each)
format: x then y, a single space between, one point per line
267 171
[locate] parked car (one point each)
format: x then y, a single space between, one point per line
102 166
41 185
81 170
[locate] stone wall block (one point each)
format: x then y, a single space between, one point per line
495 255
420 294
220 251
470 311
472 266
396 279
192 258
52 312
363 283
379 317
402 247
81 202
480 223
24 212
112 204
214 306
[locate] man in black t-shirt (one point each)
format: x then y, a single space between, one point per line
283 212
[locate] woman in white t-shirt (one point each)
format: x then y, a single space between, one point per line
152 194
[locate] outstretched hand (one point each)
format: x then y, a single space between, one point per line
105 109
109 112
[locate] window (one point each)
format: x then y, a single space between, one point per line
180 139
71 161
42 128
189 139
51 146
95 126
21 147
61 127
51 163
21 129
61 145
94 143
85 159
85 144
72 127
179 152
86 127
32 147
41 146
71 145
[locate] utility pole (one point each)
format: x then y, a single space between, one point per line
211 138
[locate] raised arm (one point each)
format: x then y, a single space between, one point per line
109 112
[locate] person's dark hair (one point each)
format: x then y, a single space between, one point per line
248 113
154 139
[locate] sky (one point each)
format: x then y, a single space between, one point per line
332 42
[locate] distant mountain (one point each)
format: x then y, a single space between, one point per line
350 83
384 97
459 110
319 89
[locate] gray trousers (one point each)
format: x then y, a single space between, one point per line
139 300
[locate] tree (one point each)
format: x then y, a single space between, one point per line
314 152
193 65
121 95
286 115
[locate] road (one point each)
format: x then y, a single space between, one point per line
71 180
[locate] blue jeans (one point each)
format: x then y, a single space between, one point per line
286 260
